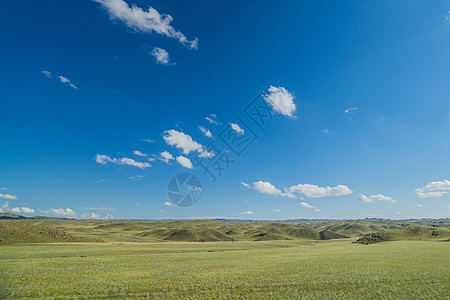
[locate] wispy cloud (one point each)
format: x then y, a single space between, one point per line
434 189
350 110
205 131
99 208
167 204
306 205
265 187
145 21
8 196
237 128
103 159
102 180
375 198
276 210
147 140
67 81
139 153
248 212
213 119
161 56
47 73
326 131
137 177
62 79
281 101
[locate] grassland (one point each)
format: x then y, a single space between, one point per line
43 258
335 269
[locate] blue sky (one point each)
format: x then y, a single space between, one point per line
358 93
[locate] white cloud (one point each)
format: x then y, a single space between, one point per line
246 213
374 198
185 142
281 101
47 73
206 154
419 205
166 157
27 210
99 208
145 21
15 210
139 153
66 80
314 191
5 207
276 210
102 180
306 205
167 204
350 110
94 215
3 189
434 189
267 188
62 212
205 131
213 119
137 177
236 128
325 131
147 140
103 159
8 196
182 141
246 185
184 161
431 194
161 56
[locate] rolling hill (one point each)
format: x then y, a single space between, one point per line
14 232
59 229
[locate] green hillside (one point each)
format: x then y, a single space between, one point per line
215 230
13 232
186 231
412 232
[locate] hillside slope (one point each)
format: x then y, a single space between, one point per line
412 232
187 231
14 232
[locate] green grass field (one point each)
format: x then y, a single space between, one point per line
336 269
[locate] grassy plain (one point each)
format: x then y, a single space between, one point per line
336 269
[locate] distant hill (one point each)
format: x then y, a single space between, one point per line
10 216
13 232
412 232
215 230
